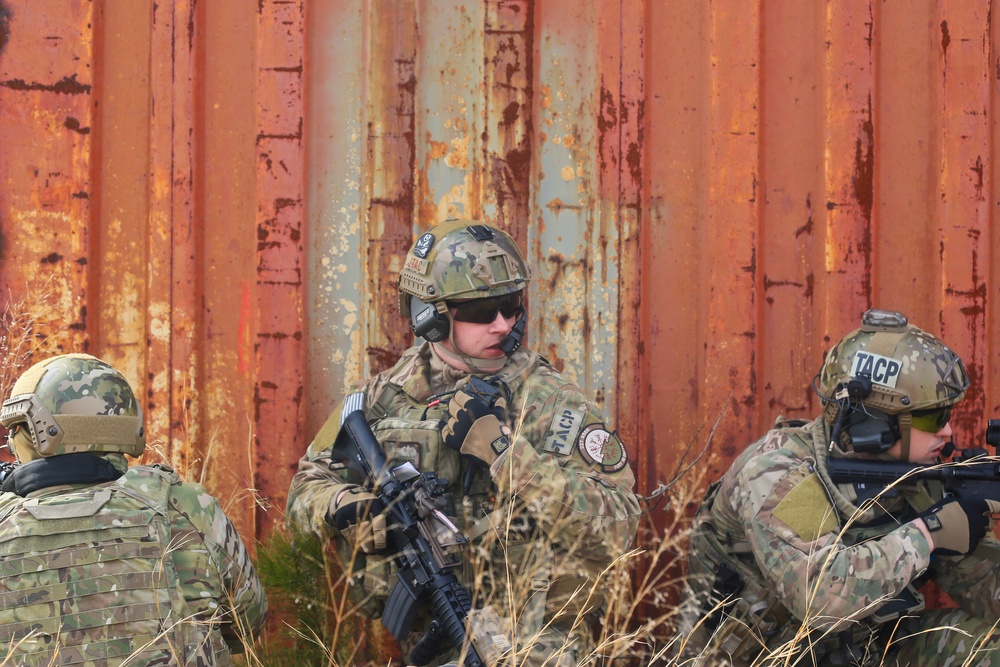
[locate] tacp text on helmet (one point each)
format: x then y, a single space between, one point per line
882 376
74 403
456 261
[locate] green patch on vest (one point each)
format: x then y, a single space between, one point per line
807 510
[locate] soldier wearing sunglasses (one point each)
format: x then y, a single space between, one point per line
539 481
785 560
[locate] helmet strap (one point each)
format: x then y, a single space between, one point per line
474 364
904 436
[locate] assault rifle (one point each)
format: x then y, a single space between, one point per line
422 541
970 474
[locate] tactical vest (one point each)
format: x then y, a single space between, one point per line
410 431
86 577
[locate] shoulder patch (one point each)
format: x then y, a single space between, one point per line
807 510
602 449
565 426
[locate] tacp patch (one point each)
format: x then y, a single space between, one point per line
566 424
423 245
601 448
881 370
807 510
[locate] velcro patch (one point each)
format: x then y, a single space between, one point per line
807 510
881 370
416 264
423 245
500 445
602 449
566 424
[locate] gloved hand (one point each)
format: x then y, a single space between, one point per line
957 524
358 516
475 425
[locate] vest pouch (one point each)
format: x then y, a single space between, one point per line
740 617
415 437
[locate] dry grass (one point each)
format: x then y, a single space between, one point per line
21 340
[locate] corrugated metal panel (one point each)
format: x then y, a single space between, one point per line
217 195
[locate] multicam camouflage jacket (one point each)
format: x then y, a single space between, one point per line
146 566
564 483
797 551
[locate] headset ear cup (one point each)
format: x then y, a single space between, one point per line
871 431
427 322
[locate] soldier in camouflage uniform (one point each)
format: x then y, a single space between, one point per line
539 482
784 562
102 564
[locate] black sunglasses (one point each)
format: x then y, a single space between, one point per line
484 311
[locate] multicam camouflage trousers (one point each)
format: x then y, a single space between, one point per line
946 637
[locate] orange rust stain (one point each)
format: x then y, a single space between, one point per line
438 150
244 353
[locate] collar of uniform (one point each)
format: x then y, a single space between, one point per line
413 375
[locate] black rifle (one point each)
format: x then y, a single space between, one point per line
421 540
969 476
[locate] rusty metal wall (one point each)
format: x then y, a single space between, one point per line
216 195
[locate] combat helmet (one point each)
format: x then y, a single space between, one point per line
74 403
886 376
457 260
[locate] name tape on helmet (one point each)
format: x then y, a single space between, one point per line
881 370
417 265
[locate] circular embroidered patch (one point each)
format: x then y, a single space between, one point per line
601 449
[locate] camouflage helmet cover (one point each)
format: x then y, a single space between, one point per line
461 259
76 403
910 369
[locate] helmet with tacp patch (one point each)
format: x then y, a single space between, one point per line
892 368
73 403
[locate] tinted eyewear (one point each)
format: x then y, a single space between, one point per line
930 421
484 311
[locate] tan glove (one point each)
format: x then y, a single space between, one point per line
475 427
358 515
958 524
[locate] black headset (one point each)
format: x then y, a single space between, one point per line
427 322
433 326
866 429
